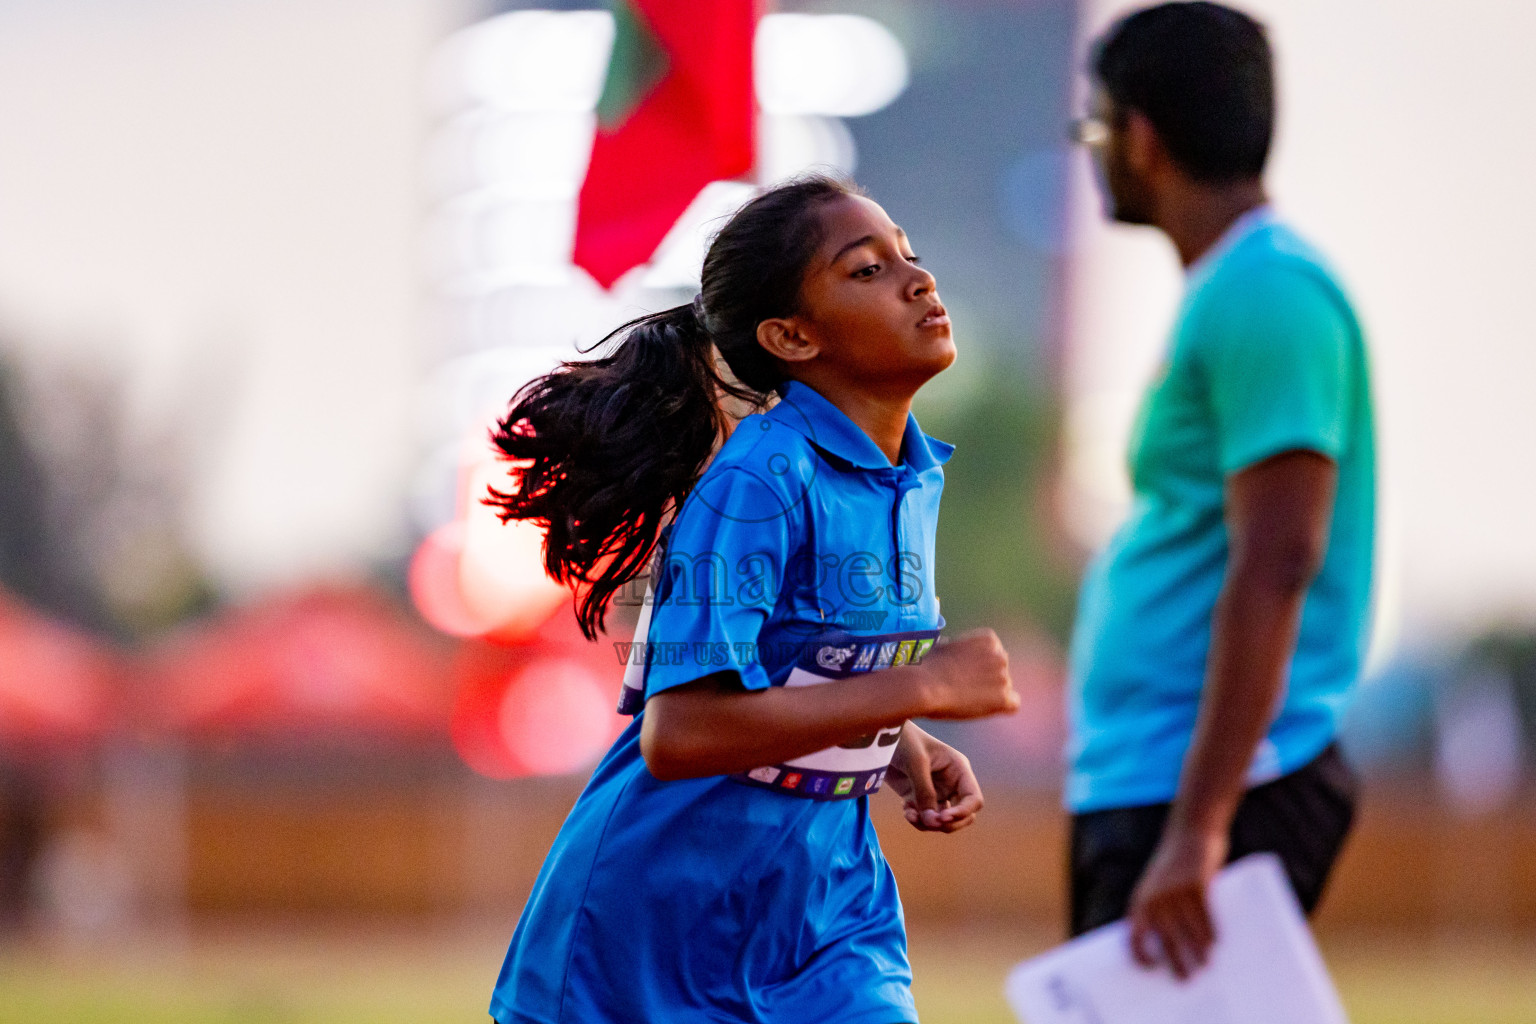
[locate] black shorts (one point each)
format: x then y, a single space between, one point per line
1304 817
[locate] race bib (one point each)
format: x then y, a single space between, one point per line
858 767
632 691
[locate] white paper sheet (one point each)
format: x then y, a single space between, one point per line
1264 968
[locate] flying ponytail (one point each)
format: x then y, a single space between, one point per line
605 450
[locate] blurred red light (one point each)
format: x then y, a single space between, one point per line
434 583
540 707
556 716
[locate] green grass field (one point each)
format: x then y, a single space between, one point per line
442 975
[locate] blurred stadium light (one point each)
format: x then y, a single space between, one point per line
517 94
842 65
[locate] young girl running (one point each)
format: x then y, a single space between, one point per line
721 865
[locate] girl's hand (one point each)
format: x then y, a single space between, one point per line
936 782
968 678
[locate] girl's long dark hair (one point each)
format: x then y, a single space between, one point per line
605 449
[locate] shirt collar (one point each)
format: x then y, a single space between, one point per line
804 410
1237 232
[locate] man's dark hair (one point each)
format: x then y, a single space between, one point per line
1203 75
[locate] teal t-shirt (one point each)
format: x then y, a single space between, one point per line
1266 357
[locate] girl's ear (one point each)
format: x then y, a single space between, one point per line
783 339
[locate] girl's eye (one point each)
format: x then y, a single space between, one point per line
868 271
914 259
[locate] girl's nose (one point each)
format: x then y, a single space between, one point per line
922 283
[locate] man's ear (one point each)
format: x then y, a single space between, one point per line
783 339
1144 150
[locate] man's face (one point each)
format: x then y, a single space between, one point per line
1127 198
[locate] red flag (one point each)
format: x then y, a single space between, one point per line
683 70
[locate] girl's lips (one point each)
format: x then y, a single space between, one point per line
937 318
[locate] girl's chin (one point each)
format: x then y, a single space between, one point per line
943 353
935 362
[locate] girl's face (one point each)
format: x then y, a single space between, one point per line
870 316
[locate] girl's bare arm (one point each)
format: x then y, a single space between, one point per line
712 727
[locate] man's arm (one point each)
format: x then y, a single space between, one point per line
1278 513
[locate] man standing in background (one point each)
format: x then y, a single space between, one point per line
1220 635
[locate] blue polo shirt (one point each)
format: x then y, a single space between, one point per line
721 899
1266 357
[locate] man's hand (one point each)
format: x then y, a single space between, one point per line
936 782
1170 913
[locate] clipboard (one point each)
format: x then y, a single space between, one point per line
1264 969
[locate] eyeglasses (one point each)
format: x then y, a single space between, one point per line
1092 132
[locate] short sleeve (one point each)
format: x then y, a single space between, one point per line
1276 351
719 582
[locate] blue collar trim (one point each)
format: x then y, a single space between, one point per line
804 410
